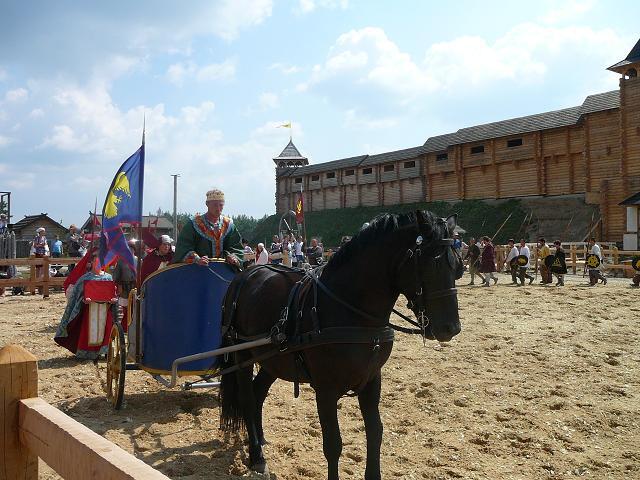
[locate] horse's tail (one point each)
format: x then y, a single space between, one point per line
231 418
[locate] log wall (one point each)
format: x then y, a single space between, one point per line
599 157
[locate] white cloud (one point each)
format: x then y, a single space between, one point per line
4 141
3 74
17 95
284 68
308 6
367 58
356 121
234 15
269 100
178 73
16 179
560 10
36 113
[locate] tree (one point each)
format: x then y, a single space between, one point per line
3 207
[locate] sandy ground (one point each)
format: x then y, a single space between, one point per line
543 382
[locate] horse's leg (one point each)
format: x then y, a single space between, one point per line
248 402
369 399
327 403
261 385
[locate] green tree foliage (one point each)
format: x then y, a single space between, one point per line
3 207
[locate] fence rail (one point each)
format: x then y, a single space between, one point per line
44 281
32 428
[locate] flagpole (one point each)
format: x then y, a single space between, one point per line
140 242
304 217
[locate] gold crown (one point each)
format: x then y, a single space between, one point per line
215 194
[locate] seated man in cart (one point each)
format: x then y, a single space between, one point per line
209 236
85 325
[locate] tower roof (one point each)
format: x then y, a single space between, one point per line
290 152
632 57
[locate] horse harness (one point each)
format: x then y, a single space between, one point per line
286 334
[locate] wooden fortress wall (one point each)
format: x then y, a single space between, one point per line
599 157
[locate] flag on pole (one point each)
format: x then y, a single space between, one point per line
122 205
299 209
285 125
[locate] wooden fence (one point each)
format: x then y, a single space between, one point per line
32 428
43 282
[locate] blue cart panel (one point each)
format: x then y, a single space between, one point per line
181 313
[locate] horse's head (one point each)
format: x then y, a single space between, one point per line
427 276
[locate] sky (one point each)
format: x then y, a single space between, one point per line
214 80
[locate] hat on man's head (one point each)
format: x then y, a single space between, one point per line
132 242
166 239
41 229
3 215
215 194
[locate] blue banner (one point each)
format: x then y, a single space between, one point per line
122 205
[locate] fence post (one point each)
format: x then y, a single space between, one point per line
18 380
45 285
574 259
32 277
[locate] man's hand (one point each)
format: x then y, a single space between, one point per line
87 300
233 260
204 261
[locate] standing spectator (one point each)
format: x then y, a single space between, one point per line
3 223
561 259
543 253
298 247
262 257
125 278
314 253
246 250
594 273
511 260
74 244
488 261
473 260
276 247
39 248
524 250
56 248
457 242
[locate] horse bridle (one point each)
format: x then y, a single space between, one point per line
418 304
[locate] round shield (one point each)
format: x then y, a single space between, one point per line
635 263
548 260
522 260
593 261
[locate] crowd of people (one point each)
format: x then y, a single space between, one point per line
480 261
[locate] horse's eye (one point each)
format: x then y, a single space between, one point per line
419 240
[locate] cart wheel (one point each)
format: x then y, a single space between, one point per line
116 361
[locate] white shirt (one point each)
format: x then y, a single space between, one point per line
525 251
512 254
596 251
262 258
298 246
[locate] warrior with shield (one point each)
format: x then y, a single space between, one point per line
209 236
523 262
593 262
559 264
510 261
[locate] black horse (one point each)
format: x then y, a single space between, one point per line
338 336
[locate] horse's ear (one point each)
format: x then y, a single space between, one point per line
452 222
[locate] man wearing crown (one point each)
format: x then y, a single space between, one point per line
209 236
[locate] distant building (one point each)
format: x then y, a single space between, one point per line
591 150
162 225
25 229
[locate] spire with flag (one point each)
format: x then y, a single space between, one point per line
123 204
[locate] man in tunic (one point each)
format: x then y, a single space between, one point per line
209 236
524 250
473 260
510 261
488 261
543 253
559 264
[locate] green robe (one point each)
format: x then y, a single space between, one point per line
196 238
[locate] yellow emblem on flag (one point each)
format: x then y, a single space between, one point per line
299 206
120 185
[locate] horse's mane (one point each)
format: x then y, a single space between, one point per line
380 226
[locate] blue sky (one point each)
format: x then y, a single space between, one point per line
215 79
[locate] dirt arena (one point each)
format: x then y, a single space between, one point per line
541 383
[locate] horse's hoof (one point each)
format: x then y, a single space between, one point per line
260 467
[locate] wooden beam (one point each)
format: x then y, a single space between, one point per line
623 136
18 380
427 189
587 155
570 160
495 167
537 155
74 451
